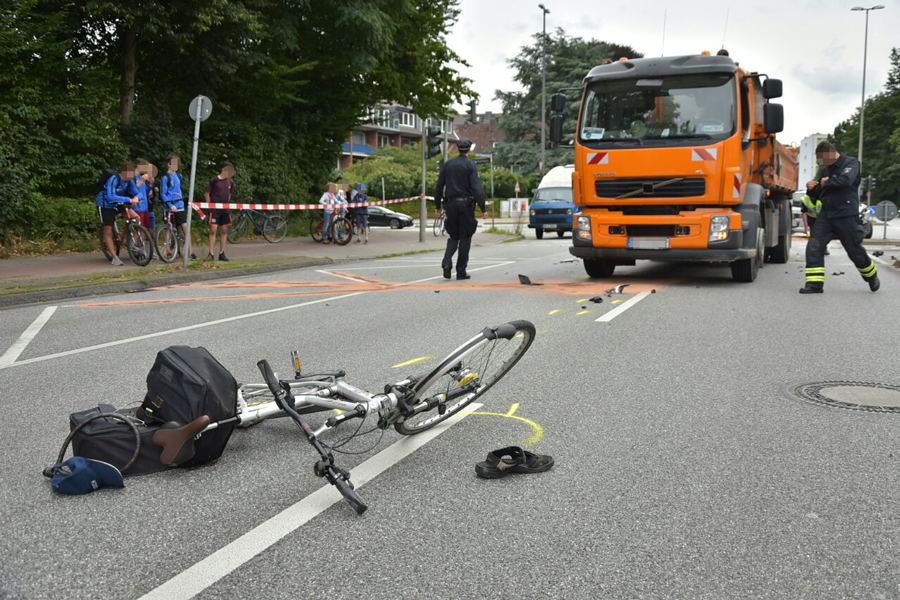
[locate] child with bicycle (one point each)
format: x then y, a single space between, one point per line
220 190
173 198
113 200
329 202
361 213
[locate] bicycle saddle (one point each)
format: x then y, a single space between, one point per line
176 440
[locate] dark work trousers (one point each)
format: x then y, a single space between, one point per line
850 233
461 225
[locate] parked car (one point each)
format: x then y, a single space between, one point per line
384 217
796 213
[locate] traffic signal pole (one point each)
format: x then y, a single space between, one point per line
423 213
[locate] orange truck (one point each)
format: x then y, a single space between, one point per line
676 160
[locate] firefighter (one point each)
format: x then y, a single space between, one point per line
810 210
458 190
837 188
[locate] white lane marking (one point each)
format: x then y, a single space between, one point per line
341 276
259 313
9 357
220 563
622 308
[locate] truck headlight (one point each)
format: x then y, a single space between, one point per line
718 228
583 228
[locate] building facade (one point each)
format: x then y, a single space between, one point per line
386 125
807 159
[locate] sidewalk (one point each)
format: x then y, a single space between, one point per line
40 278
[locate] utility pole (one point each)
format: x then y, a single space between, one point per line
423 212
862 103
543 89
493 201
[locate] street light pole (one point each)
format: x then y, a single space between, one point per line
862 103
545 12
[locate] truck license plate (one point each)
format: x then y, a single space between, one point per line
648 243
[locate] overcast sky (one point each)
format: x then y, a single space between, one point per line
815 47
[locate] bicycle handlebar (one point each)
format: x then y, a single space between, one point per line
347 491
272 381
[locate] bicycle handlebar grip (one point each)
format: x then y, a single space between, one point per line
271 380
350 495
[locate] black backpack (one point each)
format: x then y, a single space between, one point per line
186 383
101 183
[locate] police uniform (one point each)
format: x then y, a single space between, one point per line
459 189
839 218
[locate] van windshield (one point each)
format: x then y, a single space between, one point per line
560 194
664 111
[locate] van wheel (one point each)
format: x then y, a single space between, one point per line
597 268
747 269
560 233
539 233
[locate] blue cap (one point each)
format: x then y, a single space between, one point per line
360 187
80 475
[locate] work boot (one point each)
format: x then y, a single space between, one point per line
874 283
461 276
811 289
447 273
222 257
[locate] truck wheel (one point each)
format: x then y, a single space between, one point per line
539 233
560 233
597 268
779 254
747 269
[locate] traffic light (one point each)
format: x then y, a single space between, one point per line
473 113
433 141
872 182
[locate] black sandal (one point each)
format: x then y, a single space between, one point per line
513 459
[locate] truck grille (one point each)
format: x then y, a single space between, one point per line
686 186
550 211
650 230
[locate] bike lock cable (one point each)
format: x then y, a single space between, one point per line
48 472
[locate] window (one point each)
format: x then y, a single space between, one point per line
407 120
358 138
383 140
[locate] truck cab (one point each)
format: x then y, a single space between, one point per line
552 207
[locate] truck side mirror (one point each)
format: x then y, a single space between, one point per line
558 102
771 88
773 117
556 128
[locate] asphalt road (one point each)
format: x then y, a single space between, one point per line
683 468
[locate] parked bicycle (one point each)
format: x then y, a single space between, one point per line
410 406
439 227
136 239
340 228
273 227
169 239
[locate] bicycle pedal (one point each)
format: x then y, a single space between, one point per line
442 409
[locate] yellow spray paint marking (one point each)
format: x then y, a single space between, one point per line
412 361
537 432
617 301
554 311
338 411
580 300
582 312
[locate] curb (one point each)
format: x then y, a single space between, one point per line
139 285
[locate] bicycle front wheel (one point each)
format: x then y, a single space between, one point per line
167 244
467 373
315 228
238 229
140 245
274 228
342 231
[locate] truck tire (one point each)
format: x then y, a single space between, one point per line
597 268
747 269
539 233
781 252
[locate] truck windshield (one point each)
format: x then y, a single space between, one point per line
664 111
550 194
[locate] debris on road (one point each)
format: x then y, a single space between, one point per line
597 299
568 260
878 253
838 273
526 280
616 290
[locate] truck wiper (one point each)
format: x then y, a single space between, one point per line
680 136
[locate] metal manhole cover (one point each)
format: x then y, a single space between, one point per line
853 395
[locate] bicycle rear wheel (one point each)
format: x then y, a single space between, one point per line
140 245
342 231
274 228
467 373
238 229
167 244
315 228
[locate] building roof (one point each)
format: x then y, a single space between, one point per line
481 134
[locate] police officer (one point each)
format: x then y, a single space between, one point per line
459 189
837 188
810 210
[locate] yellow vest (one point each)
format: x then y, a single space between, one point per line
813 208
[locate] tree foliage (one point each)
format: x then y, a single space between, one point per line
881 136
568 61
88 84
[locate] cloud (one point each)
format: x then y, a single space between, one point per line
822 79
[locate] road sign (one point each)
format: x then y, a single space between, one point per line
200 108
886 210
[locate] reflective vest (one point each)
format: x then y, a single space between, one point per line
813 208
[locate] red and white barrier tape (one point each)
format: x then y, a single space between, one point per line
255 206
